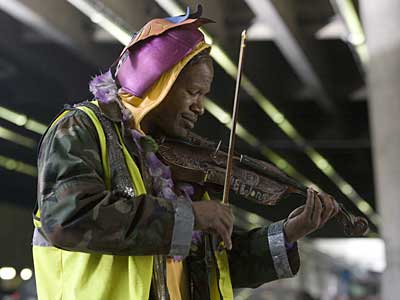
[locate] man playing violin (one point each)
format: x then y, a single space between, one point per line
112 224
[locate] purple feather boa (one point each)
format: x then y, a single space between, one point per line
104 88
163 184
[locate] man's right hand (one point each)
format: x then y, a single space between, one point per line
214 217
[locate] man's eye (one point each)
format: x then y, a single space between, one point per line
193 92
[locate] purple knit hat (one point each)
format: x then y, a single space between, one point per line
158 46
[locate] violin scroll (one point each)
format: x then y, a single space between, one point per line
353 225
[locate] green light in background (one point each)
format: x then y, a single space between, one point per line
364 207
289 169
245 135
362 51
35 126
208 39
17 138
253 220
375 218
347 12
17 166
329 170
223 60
10 164
346 189
9 115
22 120
290 131
322 164
278 118
352 21
218 113
282 164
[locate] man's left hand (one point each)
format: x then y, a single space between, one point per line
319 208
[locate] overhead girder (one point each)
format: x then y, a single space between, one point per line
279 16
61 22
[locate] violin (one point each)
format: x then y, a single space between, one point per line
201 162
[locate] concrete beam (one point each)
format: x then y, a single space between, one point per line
335 29
60 22
133 14
40 60
214 10
281 20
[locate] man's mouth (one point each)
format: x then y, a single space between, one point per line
190 121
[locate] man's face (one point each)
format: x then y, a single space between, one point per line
179 111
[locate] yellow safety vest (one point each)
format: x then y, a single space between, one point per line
69 275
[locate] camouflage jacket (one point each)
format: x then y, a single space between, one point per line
78 212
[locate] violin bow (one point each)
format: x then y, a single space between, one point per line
232 138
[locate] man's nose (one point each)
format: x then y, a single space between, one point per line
198 106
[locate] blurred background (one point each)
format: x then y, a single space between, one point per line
319 99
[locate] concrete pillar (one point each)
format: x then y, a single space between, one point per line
381 21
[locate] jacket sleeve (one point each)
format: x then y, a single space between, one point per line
78 213
260 255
